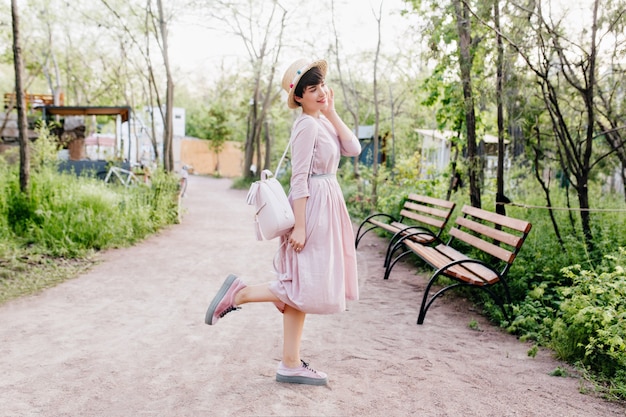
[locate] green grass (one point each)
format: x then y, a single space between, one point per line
23 273
55 230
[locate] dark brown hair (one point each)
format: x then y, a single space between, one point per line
312 77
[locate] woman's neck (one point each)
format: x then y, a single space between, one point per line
315 114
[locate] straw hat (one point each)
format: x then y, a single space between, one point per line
293 74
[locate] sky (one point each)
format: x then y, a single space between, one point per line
198 52
195 48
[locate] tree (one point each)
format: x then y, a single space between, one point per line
500 198
260 26
168 117
454 45
211 124
612 100
154 26
567 73
22 122
463 22
348 89
375 141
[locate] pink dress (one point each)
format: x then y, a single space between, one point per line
323 275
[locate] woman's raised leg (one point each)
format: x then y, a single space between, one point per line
255 294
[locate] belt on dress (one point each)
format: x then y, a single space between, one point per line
329 175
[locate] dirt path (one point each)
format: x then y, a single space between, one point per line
128 339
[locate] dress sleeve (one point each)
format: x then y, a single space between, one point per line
351 147
302 143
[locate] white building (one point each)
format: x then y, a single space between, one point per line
437 150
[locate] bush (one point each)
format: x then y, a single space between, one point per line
591 328
67 216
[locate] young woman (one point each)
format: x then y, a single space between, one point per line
316 268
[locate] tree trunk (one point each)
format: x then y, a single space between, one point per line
582 180
268 147
376 140
465 61
585 215
22 121
500 198
168 120
249 148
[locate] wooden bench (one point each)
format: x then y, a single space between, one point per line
494 239
419 213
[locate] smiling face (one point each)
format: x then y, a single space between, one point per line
314 98
311 92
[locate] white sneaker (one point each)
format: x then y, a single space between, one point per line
301 375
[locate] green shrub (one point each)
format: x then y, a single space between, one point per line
591 328
68 216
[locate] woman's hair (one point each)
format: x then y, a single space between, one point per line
312 77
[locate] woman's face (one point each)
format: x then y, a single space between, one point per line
314 98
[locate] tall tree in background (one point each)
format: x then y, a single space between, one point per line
376 139
463 22
500 198
612 98
154 26
260 25
168 117
567 73
22 121
454 45
50 66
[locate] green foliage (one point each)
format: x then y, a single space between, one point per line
67 216
592 323
211 124
43 151
534 316
393 188
473 324
559 371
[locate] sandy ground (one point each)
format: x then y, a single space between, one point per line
128 339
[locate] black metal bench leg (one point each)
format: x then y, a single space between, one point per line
391 249
425 302
389 267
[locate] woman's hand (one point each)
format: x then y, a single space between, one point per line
330 102
297 239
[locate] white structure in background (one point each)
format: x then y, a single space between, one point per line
100 146
437 149
142 150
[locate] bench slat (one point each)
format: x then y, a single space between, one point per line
432 201
387 226
431 211
510 222
487 247
498 235
482 273
422 219
442 255
395 227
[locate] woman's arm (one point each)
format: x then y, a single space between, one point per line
350 145
297 239
343 131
